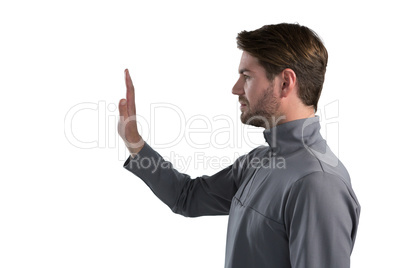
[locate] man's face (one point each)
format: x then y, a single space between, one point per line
259 98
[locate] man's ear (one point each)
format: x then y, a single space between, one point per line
288 82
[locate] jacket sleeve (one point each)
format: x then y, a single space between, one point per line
205 195
321 218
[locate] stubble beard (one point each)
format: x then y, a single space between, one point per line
264 113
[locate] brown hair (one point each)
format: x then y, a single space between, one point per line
281 46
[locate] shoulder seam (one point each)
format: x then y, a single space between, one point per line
327 173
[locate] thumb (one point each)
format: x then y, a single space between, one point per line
123 108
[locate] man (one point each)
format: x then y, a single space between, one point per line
301 213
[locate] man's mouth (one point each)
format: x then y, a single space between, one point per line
242 106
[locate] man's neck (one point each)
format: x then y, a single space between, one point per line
291 116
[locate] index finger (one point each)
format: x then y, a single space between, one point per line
130 95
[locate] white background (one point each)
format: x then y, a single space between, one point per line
66 206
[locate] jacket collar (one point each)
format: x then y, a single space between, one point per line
293 135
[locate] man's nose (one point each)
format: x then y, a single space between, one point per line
238 88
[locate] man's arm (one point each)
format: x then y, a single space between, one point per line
321 218
205 195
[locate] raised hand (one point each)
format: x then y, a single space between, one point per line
127 126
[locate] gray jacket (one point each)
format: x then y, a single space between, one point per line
290 204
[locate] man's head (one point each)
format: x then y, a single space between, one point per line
282 72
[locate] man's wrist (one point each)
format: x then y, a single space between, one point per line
135 147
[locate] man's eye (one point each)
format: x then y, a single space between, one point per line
246 76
